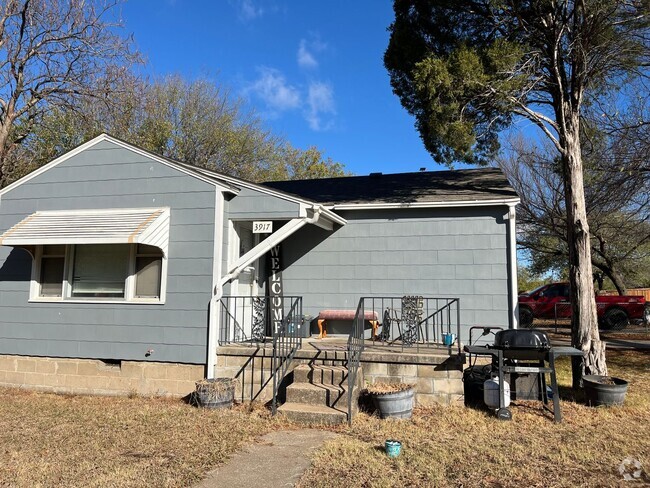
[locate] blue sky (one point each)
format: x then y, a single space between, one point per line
312 69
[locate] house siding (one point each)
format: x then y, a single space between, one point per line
250 204
109 176
455 253
255 205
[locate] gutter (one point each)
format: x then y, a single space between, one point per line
459 203
258 251
512 271
219 211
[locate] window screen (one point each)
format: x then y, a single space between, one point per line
148 269
52 266
100 270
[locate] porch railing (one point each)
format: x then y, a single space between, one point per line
241 320
410 323
248 320
355 348
287 339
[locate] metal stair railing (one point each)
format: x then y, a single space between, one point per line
355 348
286 341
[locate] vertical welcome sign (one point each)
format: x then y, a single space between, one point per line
275 289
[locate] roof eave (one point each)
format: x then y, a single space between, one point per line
510 202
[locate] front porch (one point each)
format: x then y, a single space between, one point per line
435 369
325 375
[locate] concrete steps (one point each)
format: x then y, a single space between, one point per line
318 395
328 395
318 374
312 414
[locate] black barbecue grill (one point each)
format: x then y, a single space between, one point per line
524 351
525 344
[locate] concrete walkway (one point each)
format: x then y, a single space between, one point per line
278 459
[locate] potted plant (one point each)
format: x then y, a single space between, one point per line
392 400
215 392
604 390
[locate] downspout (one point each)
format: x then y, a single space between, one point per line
213 315
255 253
512 268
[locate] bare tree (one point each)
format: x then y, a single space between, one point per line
617 196
52 52
199 122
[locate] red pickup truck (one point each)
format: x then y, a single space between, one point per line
552 301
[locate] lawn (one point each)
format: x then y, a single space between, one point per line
468 448
57 440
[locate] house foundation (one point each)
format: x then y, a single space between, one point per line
96 377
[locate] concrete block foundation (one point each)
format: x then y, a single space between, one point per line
96 377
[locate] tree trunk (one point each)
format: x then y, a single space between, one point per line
618 281
613 274
584 321
4 140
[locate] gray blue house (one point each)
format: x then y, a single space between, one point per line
119 269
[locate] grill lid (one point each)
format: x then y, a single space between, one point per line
521 339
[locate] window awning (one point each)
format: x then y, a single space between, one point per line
116 226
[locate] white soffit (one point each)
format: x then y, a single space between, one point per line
115 226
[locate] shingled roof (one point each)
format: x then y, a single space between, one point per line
462 185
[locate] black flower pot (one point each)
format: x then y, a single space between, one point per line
215 393
604 390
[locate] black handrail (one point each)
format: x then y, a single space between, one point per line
251 320
414 322
355 348
286 341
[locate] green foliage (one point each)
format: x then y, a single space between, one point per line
460 95
528 280
196 122
464 68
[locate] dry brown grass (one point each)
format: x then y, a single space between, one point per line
445 446
56 440
53 440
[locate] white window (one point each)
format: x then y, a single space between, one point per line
51 272
148 271
99 272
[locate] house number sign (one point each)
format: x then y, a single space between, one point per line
262 227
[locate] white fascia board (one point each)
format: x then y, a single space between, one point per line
106 137
330 215
447 204
331 218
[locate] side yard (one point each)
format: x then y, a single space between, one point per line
464 447
54 440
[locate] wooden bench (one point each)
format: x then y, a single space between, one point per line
326 315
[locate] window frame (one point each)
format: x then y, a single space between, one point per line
66 285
